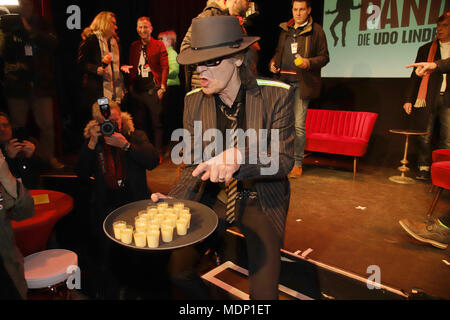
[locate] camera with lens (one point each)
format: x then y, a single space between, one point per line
108 127
11 22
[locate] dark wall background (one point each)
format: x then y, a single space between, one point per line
383 96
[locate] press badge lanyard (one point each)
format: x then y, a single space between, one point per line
145 70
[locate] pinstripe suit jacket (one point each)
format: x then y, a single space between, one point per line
269 105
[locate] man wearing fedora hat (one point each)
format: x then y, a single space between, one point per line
238 190
236 8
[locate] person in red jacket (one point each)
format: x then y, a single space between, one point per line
148 80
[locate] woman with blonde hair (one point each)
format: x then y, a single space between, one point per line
99 60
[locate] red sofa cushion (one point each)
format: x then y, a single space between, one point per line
441 155
339 132
440 174
348 146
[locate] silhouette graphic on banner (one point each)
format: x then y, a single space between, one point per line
343 8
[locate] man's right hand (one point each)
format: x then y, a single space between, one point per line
158 196
408 107
13 148
274 68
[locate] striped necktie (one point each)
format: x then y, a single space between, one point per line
231 189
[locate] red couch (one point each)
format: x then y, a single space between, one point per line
339 132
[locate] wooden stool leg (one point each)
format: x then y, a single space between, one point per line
435 200
355 162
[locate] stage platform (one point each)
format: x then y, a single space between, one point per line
338 232
346 228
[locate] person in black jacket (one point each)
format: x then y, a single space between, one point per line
23 154
430 97
118 164
28 47
99 60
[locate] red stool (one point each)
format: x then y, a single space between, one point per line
440 174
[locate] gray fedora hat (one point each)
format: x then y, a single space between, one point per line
215 37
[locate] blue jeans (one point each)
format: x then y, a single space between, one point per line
442 113
300 110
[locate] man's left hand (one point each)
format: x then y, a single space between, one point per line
306 64
116 140
28 148
220 168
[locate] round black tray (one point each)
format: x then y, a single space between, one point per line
203 223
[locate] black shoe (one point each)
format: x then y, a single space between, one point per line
423 175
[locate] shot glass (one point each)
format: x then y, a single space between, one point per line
168 223
140 239
153 238
159 218
117 226
152 225
186 210
152 211
167 233
178 205
182 227
141 225
172 217
141 212
186 216
161 206
126 234
144 215
168 211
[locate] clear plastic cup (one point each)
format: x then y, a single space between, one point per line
172 217
152 211
168 223
159 218
186 216
161 206
178 205
186 210
144 215
117 226
140 239
152 226
141 212
141 225
153 238
182 227
167 233
168 211
126 234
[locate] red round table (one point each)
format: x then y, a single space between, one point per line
33 233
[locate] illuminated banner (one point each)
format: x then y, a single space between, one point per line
377 38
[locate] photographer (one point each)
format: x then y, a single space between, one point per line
117 162
23 154
117 157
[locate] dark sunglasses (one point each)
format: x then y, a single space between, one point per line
211 63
